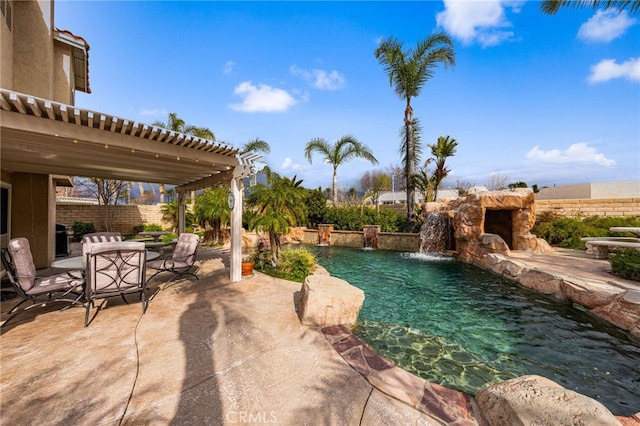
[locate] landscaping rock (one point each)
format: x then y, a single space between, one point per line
535 400
326 301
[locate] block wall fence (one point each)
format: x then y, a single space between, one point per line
128 216
610 207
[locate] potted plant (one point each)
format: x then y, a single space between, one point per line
247 259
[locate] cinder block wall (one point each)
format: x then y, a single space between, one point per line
613 207
124 219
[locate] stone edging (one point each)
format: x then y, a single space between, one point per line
444 405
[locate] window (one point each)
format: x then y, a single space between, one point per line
5 213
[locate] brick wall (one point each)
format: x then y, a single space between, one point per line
614 207
124 218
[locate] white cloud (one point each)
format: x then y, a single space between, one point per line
576 153
261 98
480 21
289 164
321 79
608 69
228 67
153 112
605 26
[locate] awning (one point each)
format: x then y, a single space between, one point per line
42 136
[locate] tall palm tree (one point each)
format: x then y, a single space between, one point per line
415 140
408 71
345 149
280 205
443 149
177 124
552 6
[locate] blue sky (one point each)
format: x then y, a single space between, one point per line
544 99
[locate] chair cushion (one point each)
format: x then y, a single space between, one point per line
186 248
54 283
23 262
98 237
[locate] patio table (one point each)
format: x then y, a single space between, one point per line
77 263
155 234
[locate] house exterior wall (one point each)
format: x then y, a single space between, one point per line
29 214
6 46
33 63
32 57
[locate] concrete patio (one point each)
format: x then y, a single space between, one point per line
206 352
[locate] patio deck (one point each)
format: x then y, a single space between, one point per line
206 352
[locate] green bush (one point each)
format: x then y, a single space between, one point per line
568 232
625 263
293 265
353 218
81 228
152 227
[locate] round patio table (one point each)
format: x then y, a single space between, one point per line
76 263
155 234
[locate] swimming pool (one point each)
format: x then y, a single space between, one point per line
463 327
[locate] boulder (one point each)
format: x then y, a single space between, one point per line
623 311
327 300
535 400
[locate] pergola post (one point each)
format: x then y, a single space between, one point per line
181 212
235 202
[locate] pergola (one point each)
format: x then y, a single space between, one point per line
47 137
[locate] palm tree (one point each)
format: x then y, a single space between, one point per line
279 204
177 124
423 181
212 210
552 6
408 71
415 140
343 150
170 214
443 149
256 145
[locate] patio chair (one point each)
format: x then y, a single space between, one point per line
182 258
114 269
98 237
18 263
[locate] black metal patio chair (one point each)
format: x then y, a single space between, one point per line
115 269
21 271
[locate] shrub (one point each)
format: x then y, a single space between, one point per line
353 218
293 265
81 228
153 227
625 263
568 232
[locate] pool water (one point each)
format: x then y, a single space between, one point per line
463 327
